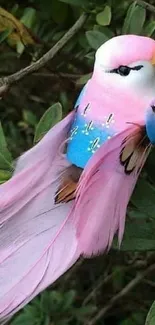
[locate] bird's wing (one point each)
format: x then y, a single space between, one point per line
105 188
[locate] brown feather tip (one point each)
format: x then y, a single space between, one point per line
133 149
66 192
67 189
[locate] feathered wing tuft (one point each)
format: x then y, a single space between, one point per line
105 189
37 239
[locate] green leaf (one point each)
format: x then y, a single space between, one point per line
139 235
83 80
29 20
137 318
20 47
149 166
5 156
137 20
52 116
103 18
5 34
64 101
24 319
96 38
143 198
69 299
83 41
78 3
127 321
150 320
135 214
68 48
45 302
105 30
83 312
90 56
29 118
29 17
127 21
4 175
58 35
137 245
149 29
59 11
118 278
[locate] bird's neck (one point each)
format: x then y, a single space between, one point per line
105 98
109 89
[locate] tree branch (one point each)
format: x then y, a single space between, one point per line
131 285
102 281
57 75
145 5
6 82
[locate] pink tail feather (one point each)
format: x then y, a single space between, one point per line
37 240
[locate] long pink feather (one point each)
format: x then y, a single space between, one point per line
102 197
37 240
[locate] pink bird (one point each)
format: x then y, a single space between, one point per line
69 193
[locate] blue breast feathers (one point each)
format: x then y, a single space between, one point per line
85 138
85 135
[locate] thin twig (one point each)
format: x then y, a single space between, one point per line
132 284
6 82
102 281
150 283
52 74
57 75
96 288
145 5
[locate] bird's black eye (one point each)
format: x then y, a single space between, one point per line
123 70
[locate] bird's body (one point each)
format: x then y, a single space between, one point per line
99 117
69 193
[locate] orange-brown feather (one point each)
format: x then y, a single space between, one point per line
133 149
67 189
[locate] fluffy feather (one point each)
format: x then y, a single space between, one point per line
37 240
67 189
104 191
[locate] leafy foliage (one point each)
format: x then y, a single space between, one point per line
52 116
150 320
27 30
56 306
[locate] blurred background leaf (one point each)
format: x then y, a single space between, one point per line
52 116
103 18
150 320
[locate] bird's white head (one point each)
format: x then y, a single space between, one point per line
128 62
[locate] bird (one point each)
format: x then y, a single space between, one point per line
69 193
